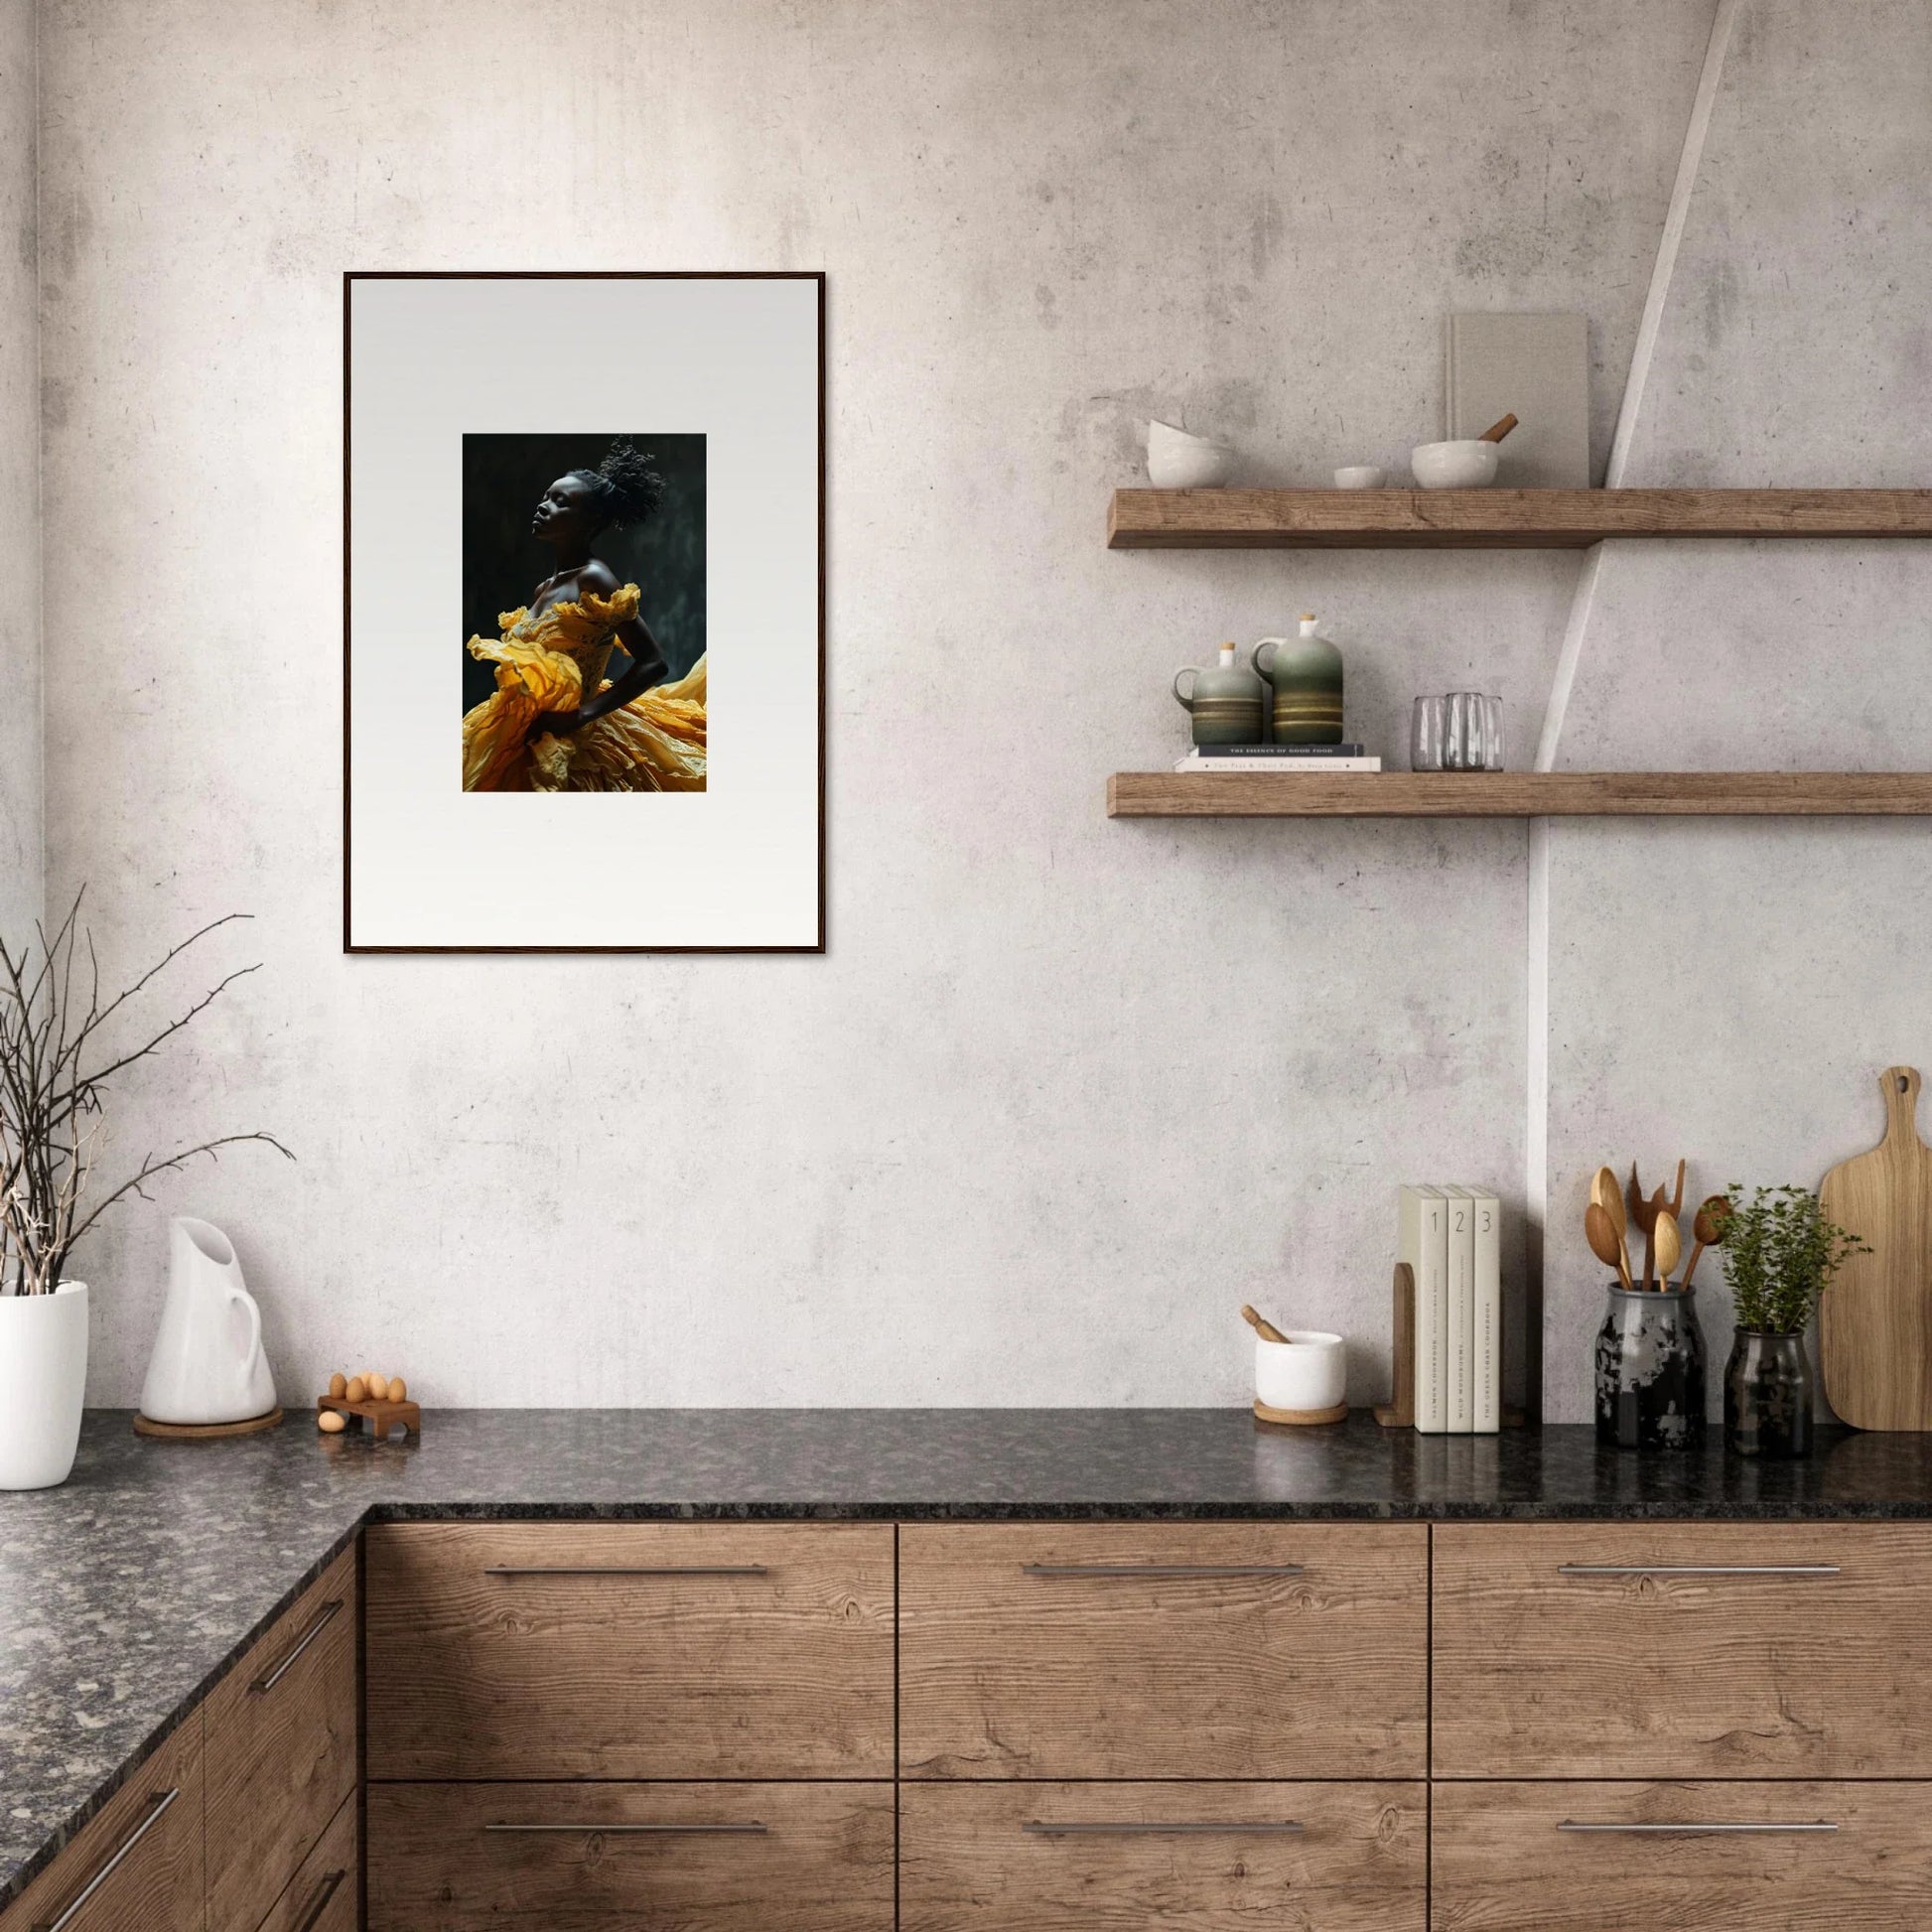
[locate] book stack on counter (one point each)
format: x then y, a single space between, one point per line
1279 757
1448 1236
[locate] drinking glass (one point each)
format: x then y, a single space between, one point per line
1426 735
1492 710
1464 732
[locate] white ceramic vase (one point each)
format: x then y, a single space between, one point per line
43 1381
208 1364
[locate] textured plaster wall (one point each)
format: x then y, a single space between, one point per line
1063 1092
1726 991
19 575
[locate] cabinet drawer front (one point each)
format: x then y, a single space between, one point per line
281 1751
630 1651
549 1857
1213 1650
1683 1650
136 1866
1590 1857
323 1895
1054 1858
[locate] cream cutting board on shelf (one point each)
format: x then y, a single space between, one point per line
1874 1325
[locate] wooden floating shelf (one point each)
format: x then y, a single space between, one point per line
1518 794
1497 519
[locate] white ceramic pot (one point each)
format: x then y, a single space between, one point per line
1456 466
1308 1371
208 1364
1177 461
1359 476
43 1382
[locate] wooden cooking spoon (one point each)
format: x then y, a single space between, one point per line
1497 431
1677 1199
1638 1203
1606 1243
1708 1229
1669 1239
1604 1191
1260 1323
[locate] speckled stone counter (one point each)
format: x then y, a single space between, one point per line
128 1592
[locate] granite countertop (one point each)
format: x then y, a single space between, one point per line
129 1592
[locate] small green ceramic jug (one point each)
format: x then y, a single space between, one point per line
1306 672
1226 702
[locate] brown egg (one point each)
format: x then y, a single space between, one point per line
357 1390
337 1384
398 1389
378 1386
332 1422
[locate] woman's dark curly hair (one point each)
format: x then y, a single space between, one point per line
625 489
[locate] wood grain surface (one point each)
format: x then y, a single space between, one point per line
325 1892
1497 519
1009 1675
788 1673
281 1761
1538 1674
1875 1324
824 1863
1500 1864
1518 794
157 1887
968 1864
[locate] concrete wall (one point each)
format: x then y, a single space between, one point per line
1063 1092
20 570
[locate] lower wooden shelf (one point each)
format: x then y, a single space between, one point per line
1518 794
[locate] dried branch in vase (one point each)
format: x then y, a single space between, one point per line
56 1060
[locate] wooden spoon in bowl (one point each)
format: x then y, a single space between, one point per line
1606 1243
1497 431
1260 1323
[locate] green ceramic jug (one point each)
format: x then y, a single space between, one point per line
1306 672
1226 702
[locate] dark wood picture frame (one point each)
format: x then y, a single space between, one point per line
351 277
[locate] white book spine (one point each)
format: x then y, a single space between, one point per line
1423 1241
1488 1314
1459 1320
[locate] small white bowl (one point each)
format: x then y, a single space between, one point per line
1455 466
1360 475
1308 1371
1177 461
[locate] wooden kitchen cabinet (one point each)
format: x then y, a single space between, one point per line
601 1858
1207 1856
630 1651
1638 1858
1712 1650
136 1864
1164 1650
282 1751
325 1892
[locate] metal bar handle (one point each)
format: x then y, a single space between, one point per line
1573 1825
263 1685
158 1802
1698 1570
750 1827
318 1903
1161 1568
1243 1827
629 1570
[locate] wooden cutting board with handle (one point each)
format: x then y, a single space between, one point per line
1874 1325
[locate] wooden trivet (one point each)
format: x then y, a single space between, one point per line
1301 1418
203 1431
377 1417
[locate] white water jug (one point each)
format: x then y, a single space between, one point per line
208 1364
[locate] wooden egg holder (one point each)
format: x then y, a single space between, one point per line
1400 1410
376 1418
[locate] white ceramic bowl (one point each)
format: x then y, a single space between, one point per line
1359 476
1308 1370
1177 461
1455 466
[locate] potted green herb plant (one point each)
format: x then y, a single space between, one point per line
1780 1254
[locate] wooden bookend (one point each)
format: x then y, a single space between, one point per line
1400 1410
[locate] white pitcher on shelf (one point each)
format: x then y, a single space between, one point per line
208 1364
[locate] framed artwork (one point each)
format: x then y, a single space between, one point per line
584 632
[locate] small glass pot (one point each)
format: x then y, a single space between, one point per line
1426 733
1650 1381
1767 1395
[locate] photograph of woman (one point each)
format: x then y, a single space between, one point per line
555 720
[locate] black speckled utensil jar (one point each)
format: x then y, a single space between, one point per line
1767 1395
1650 1385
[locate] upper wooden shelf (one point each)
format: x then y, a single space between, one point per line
1517 794
1497 519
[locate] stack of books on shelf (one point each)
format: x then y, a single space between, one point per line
1448 1236
1278 757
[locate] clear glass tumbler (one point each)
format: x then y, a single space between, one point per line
1492 708
1466 733
1426 735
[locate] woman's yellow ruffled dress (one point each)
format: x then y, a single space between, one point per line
552 663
